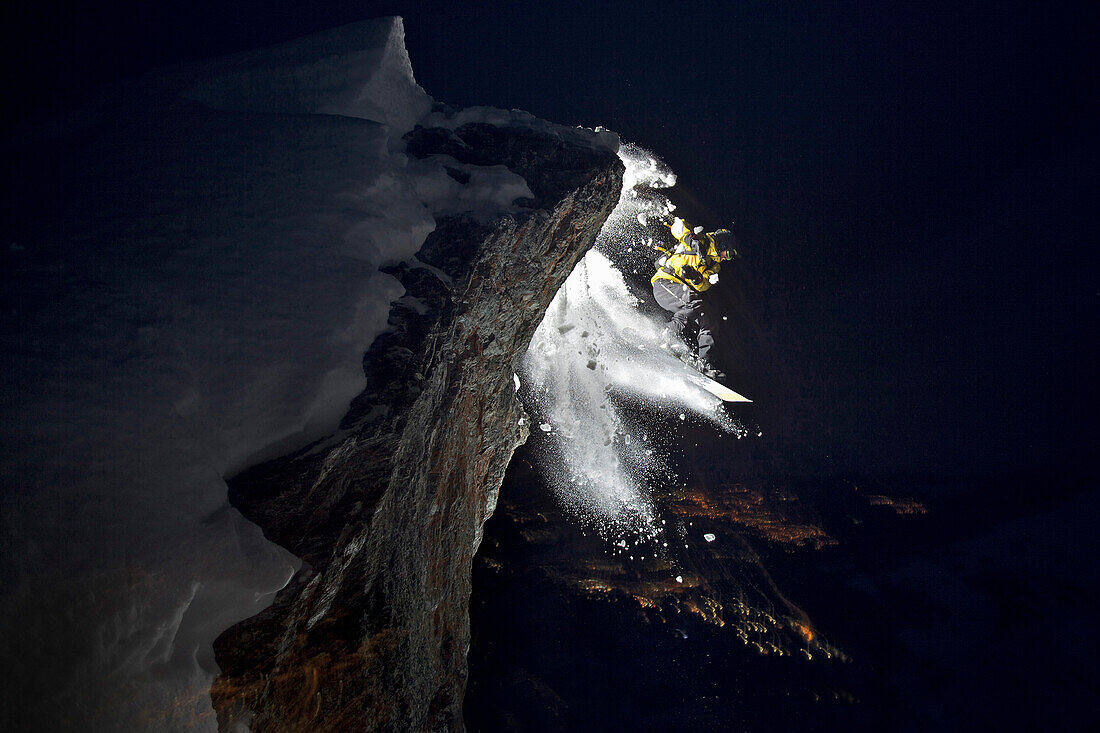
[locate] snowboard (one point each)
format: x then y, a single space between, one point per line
691 373
717 389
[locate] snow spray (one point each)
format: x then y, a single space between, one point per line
607 394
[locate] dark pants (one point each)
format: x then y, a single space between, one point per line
689 318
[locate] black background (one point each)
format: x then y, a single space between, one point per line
913 182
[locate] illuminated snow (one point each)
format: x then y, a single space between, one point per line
596 356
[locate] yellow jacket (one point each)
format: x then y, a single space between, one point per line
692 261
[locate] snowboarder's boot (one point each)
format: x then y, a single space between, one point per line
716 374
707 370
672 341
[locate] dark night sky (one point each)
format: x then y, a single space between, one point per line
914 180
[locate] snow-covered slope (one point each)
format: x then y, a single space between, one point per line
191 294
360 70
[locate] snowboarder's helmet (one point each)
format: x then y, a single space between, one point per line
725 243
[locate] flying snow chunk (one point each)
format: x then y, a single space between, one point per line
679 579
709 537
515 379
545 427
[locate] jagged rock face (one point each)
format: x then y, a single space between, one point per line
373 633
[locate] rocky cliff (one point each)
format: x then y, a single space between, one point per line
373 632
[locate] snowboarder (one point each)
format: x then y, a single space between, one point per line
691 268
